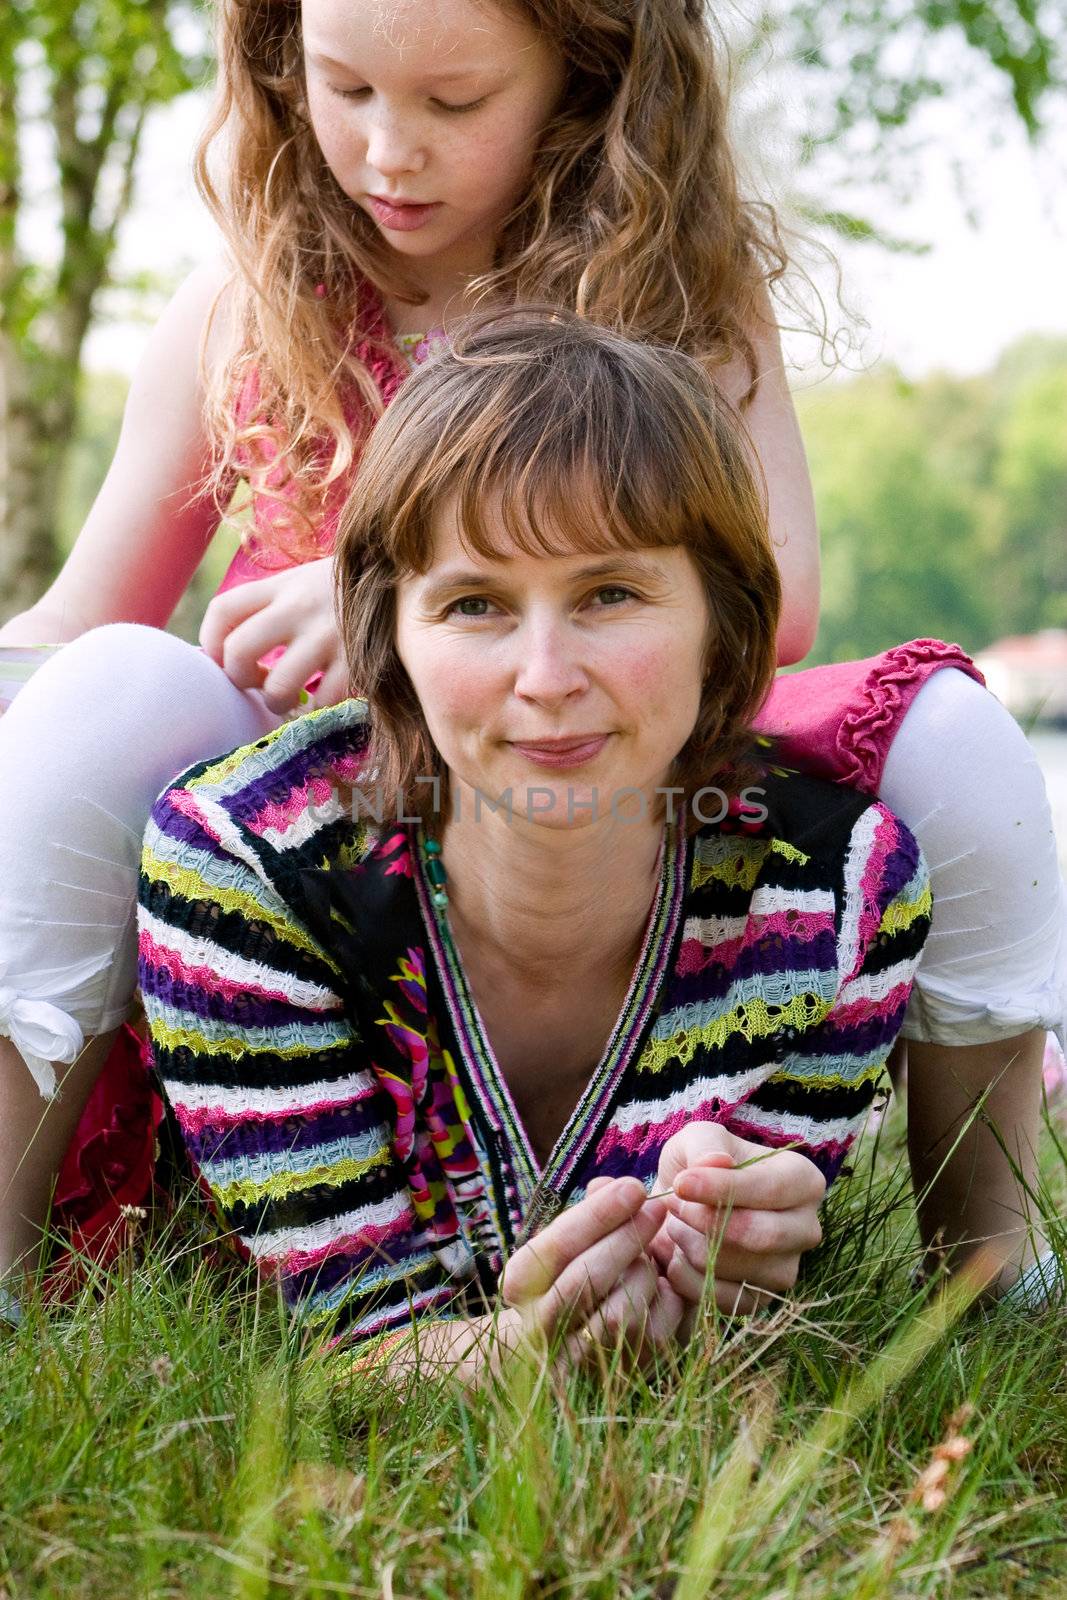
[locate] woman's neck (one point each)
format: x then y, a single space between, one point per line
559 901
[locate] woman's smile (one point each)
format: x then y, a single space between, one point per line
562 752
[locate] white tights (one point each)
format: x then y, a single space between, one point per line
105 724
86 746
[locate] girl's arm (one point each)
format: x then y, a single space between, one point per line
772 423
147 529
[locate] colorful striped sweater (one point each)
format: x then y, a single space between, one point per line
314 1034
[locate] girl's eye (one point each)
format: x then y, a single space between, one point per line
470 105
442 105
617 589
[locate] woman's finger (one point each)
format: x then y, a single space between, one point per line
782 1181
694 1256
685 1279
586 1281
622 1315
693 1243
662 1247
667 1313
534 1268
754 1232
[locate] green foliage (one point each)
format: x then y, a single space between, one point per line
942 504
167 1435
868 78
873 62
94 68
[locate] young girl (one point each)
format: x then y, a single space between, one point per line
387 166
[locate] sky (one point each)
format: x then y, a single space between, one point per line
986 280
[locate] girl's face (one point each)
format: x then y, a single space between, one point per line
428 113
606 648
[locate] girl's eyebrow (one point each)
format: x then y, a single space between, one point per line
610 566
319 58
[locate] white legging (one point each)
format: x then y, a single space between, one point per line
86 746
109 720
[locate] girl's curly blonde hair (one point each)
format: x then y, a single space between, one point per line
633 219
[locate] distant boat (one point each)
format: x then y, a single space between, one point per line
1028 674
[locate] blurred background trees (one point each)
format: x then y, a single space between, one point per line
87 73
943 502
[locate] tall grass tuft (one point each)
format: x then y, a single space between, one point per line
165 1435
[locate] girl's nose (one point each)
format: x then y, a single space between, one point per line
549 665
392 148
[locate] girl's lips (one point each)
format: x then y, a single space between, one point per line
399 218
563 755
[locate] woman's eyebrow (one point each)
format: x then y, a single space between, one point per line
609 566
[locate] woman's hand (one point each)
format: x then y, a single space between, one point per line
765 1215
588 1274
293 611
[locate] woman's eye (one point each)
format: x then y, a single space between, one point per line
616 589
349 94
468 600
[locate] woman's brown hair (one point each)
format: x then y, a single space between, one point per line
633 218
567 437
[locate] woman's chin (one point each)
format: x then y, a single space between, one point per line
554 803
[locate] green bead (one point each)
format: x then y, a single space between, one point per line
435 871
433 848
440 899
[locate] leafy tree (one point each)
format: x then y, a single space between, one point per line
942 504
865 71
899 525
1027 522
90 71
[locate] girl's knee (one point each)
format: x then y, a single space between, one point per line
128 695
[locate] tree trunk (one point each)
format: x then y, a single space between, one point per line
39 414
39 378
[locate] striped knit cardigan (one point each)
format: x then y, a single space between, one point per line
325 1061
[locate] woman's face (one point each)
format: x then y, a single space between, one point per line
606 649
436 103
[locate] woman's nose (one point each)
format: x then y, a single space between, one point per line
392 147
549 664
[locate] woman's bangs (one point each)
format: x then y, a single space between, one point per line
564 508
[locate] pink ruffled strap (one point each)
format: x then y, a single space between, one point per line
838 721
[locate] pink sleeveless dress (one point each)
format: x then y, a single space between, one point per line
837 722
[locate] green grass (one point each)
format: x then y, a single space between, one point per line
166 1435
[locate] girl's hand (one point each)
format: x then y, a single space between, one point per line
293 611
589 1275
766 1215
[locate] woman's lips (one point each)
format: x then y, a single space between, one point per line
400 217
563 755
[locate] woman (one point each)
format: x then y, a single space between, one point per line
453 977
